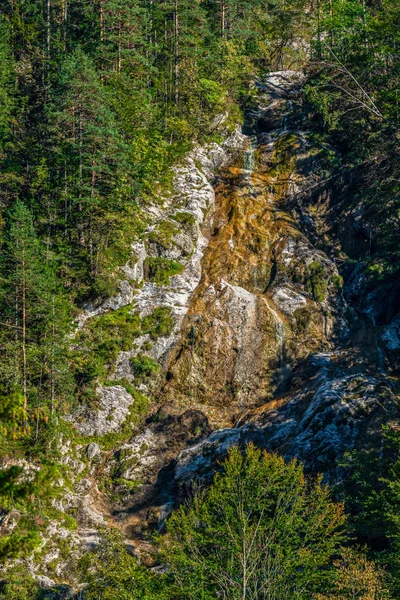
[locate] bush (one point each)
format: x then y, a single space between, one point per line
112 573
315 281
159 323
144 366
357 577
160 269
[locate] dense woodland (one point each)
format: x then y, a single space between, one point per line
98 100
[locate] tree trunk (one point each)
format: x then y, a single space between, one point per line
364 10
23 299
80 223
101 20
65 20
52 375
119 45
176 50
48 27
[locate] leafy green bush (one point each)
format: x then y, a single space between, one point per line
112 573
261 531
18 585
144 366
315 281
160 269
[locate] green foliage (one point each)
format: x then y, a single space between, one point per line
337 282
105 336
185 218
160 269
164 233
144 366
21 541
114 574
303 318
315 281
372 495
19 586
97 101
260 529
26 492
159 323
103 339
14 416
7 86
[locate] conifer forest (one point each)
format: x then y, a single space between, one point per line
199 299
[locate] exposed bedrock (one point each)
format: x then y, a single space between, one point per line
278 335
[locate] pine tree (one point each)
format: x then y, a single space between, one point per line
92 157
35 318
122 43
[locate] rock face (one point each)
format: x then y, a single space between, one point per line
275 337
271 348
173 243
267 297
112 412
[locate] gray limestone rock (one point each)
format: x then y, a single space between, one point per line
113 410
288 300
92 450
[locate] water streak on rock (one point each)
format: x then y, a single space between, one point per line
280 333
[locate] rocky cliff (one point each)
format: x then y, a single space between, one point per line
278 345
246 314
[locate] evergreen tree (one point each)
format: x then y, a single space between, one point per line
92 158
122 43
35 318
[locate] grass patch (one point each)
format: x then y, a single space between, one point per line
184 218
159 270
164 234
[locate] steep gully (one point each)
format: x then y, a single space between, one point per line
269 349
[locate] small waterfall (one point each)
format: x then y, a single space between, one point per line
280 332
286 116
249 156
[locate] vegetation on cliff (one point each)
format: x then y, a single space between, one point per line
99 100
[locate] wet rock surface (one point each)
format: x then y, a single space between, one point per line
267 296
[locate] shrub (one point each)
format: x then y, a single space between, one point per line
160 269
144 366
159 323
183 217
315 281
164 233
112 573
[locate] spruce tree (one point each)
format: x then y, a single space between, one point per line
35 318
